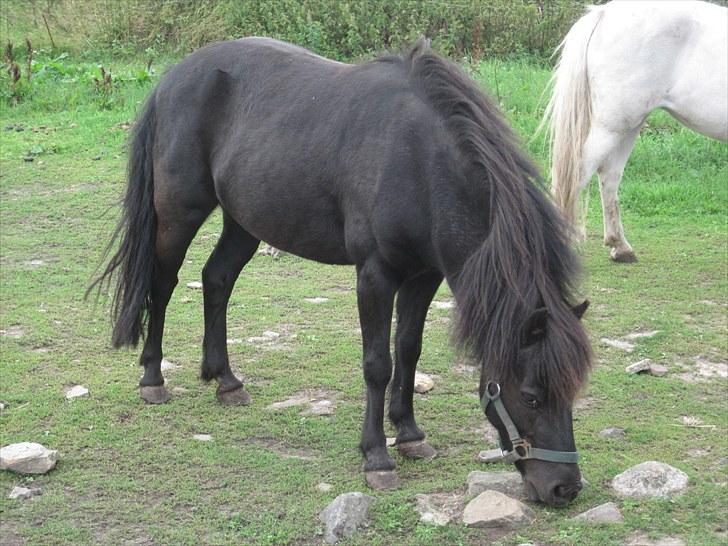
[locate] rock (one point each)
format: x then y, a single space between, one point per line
423 383
316 300
324 487
625 346
76 392
438 508
612 433
658 370
27 458
448 304
639 335
167 365
509 483
639 367
194 285
320 407
202 437
345 515
604 513
391 442
494 509
641 539
490 456
2 406
650 479
20 493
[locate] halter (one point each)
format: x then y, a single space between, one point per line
520 447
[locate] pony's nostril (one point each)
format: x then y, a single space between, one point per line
567 492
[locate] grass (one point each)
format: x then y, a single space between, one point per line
131 473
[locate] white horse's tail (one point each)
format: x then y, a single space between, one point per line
568 116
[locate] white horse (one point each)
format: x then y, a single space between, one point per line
618 63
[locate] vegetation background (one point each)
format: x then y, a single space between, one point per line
133 474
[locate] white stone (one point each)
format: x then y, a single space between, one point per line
639 367
391 442
324 487
436 510
194 285
604 513
76 392
28 458
508 483
639 335
202 437
167 365
320 407
625 346
20 493
316 300
494 509
448 304
423 383
658 370
613 433
650 479
345 515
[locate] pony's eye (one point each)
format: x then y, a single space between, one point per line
530 400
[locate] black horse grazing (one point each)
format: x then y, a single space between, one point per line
399 166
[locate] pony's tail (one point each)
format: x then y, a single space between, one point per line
137 232
568 116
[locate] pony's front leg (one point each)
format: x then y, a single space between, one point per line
376 287
413 301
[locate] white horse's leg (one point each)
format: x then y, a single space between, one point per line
606 152
610 175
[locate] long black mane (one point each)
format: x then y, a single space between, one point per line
526 261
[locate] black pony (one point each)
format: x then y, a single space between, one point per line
401 167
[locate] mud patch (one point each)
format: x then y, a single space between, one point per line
313 402
281 449
703 371
15 332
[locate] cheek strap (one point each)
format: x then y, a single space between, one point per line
520 447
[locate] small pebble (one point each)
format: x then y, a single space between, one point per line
202 437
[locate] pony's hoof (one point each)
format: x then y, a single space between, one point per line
155 395
235 397
623 257
382 480
418 449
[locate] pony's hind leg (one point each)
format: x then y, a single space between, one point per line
413 301
233 250
376 287
175 231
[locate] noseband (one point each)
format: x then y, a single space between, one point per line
520 447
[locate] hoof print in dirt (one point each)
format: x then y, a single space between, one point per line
382 480
417 450
345 515
155 395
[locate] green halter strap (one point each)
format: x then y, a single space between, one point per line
521 448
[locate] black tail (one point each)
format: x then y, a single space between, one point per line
137 230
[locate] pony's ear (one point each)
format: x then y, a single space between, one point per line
534 328
580 309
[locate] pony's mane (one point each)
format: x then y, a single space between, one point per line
526 261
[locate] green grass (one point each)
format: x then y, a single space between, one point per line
130 472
